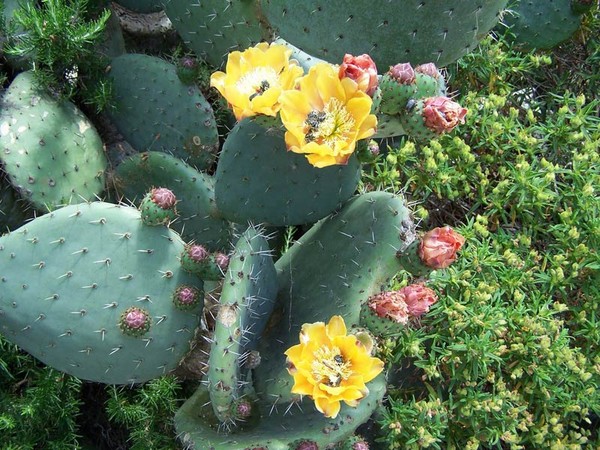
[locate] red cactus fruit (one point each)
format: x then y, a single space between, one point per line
438 248
163 197
442 114
362 70
418 298
135 321
403 73
389 305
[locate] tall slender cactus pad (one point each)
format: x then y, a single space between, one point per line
259 180
411 30
198 220
90 290
331 270
246 302
51 152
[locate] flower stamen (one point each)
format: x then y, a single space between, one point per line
332 124
329 366
257 82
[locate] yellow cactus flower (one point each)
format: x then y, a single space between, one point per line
326 116
331 366
255 78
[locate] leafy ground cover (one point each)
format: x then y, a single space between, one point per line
509 356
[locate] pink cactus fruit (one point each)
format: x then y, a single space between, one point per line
362 70
306 445
243 409
197 252
163 197
438 248
360 445
389 305
418 298
442 114
135 321
222 261
186 297
428 69
403 73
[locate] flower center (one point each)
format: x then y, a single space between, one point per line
329 366
327 127
257 81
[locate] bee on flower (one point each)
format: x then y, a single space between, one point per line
326 116
255 78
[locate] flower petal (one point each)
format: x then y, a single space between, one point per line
313 332
329 408
336 327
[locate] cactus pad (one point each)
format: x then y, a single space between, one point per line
198 220
213 28
88 288
440 30
259 180
156 111
50 150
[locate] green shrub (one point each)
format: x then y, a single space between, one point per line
39 406
508 358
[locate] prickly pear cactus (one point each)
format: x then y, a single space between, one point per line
440 30
156 111
214 28
90 290
199 220
332 269
51 152
259 180
246 302
542 24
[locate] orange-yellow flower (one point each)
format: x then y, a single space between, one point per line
255 78
331 366
325 116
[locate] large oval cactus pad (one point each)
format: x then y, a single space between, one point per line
414 31
67 278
